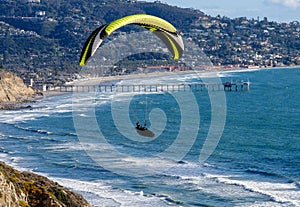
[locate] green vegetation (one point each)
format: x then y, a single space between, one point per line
49 35
39 191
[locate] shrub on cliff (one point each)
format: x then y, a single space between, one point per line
27 189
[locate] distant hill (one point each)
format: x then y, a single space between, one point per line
40 35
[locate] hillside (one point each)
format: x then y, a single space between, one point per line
41 35
26 189
32 41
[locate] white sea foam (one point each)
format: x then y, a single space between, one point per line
17 117
97 193
43 131
4 157
233 186
45 107
83 115
66 105
266 204
285 193
100 194
69 146
197 176
13 161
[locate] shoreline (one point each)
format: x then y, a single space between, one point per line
107 79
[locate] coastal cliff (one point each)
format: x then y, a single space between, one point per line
13 91
27 189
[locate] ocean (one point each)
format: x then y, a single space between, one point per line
211 148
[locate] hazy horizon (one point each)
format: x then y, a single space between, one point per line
274 10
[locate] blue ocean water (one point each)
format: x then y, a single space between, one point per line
256 161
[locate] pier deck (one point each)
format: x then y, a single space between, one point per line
110 88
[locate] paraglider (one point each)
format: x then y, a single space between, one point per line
143 130
160 27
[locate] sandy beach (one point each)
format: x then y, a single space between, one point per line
105 79
97 80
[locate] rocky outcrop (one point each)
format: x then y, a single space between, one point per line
30 190
13 91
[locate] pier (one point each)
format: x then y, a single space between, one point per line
111 88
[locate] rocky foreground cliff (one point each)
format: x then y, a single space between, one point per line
13 91
27 189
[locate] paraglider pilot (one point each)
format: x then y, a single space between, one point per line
138 126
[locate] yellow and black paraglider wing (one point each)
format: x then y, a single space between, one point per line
91 44
173 42
163 29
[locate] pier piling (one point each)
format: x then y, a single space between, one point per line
226 86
